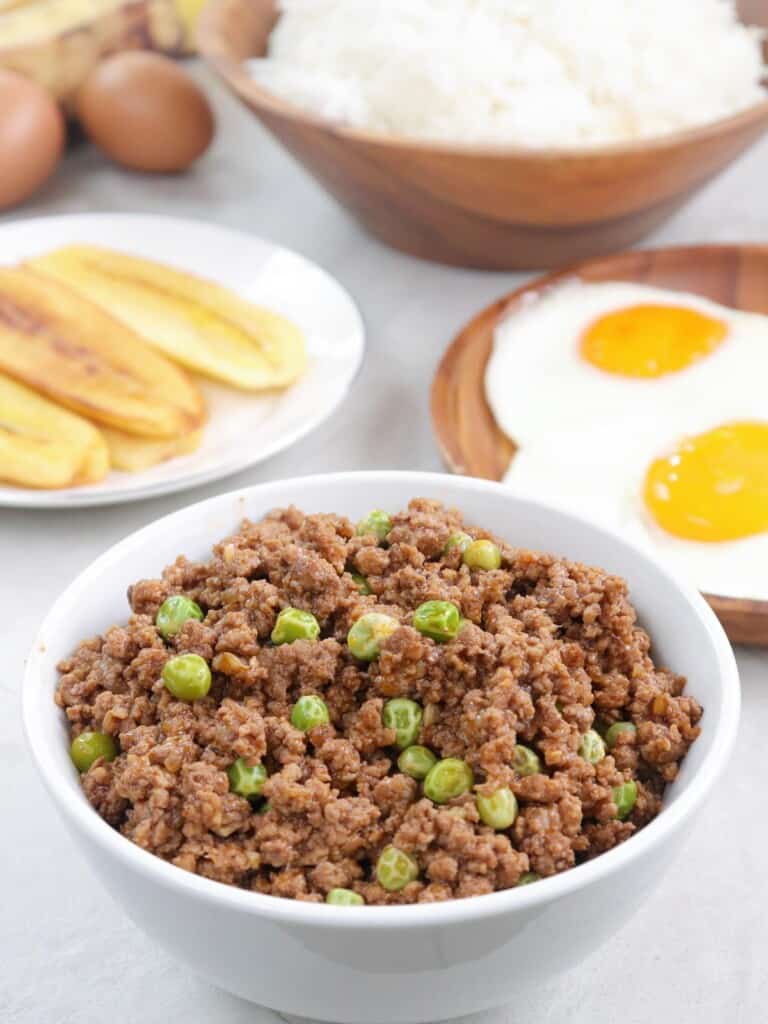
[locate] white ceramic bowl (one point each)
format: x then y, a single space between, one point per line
389 965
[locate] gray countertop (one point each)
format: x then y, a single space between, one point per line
695 954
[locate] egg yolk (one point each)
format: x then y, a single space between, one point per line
650 341
713 486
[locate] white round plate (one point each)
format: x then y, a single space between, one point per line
243 428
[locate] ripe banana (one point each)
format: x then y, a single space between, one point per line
58 42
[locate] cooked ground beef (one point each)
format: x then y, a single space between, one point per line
548 649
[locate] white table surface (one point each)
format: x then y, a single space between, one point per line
696 954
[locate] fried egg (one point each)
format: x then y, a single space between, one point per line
645 410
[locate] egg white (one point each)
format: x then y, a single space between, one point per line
586 437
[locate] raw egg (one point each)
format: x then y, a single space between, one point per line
645 410
31 137
145 112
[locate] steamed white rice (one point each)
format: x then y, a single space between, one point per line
521 72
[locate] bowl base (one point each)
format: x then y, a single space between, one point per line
480 244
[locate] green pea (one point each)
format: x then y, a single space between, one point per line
526 761
448 779
395 869
376 522
344 898
482 554
616 730
416 762
458 540
246 780
624 796
89 746
592 747
404 716
187 676
361 583
309 712
366 636
174 612
498 810
439 620
294 624
527 877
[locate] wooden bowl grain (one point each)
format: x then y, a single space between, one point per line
470 440
480 206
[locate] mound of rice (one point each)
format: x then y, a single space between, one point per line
520 72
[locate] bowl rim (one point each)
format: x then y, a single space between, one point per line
653 143
262 100
106 841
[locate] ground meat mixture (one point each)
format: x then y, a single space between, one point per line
547 649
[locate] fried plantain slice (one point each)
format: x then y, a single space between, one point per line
200 324
134 454
43 445
69 349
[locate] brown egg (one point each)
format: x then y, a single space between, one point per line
31 137
145 112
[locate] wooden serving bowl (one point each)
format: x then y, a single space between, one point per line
470 440
482 206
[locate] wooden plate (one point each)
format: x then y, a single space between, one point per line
472 443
